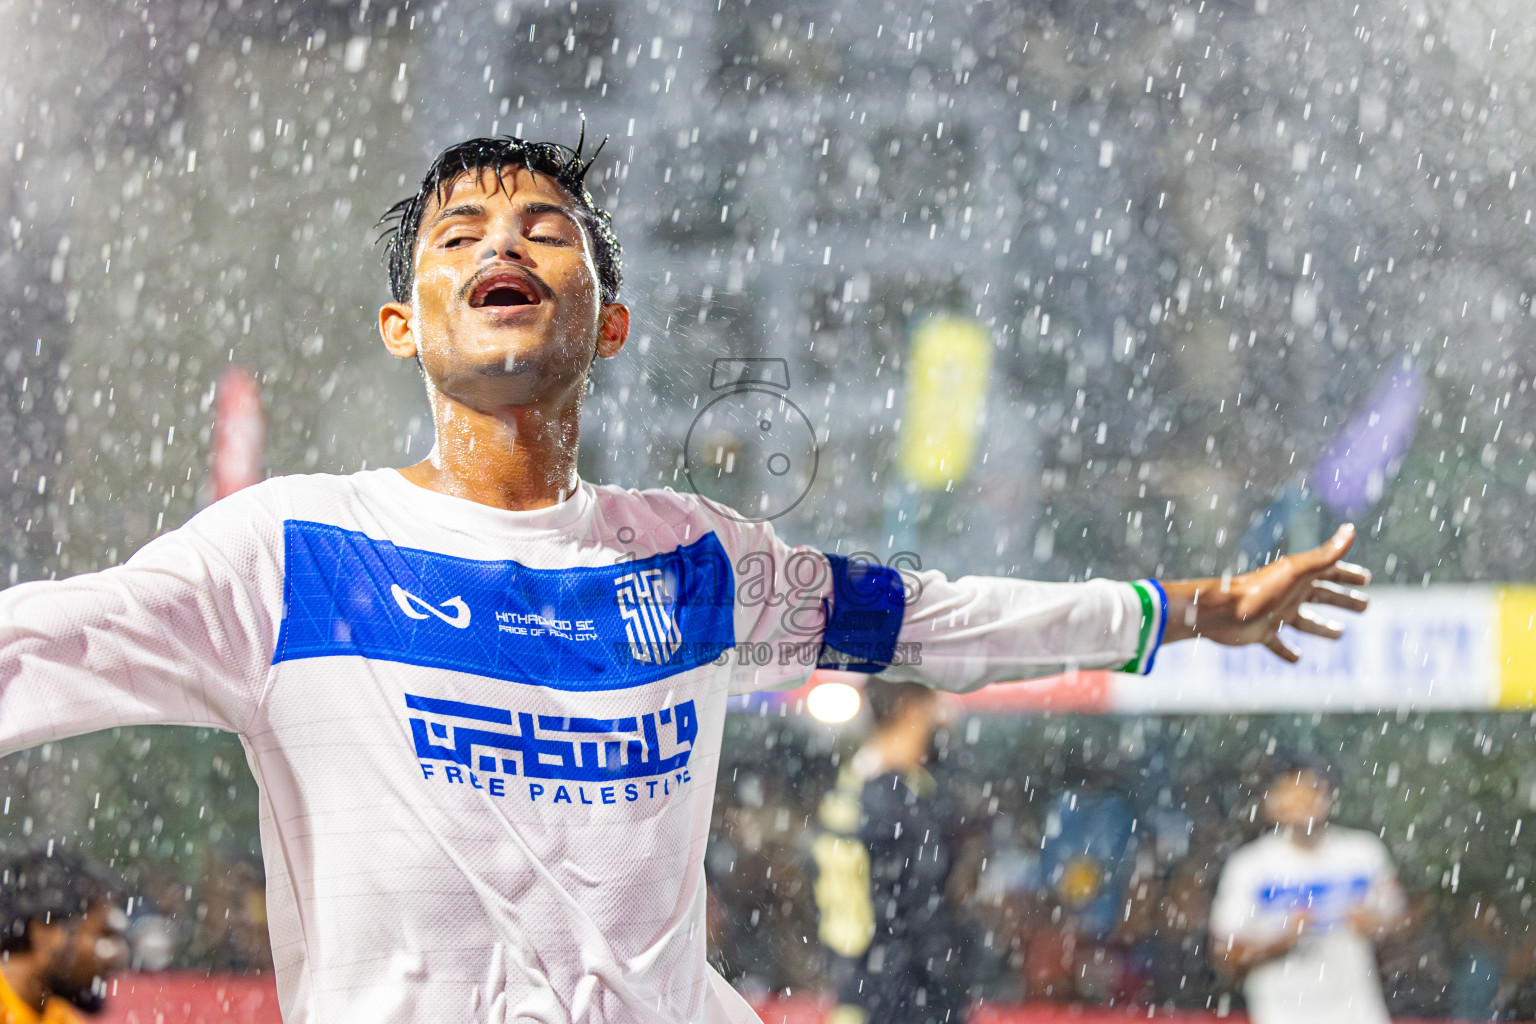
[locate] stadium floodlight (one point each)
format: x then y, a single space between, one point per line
833 703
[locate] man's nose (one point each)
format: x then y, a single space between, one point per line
505 244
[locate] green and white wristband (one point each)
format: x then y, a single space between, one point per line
1154 621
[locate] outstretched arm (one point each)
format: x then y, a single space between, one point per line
1250 608
822 610
180 634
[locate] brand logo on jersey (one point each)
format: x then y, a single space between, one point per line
416 608
648 625
506 742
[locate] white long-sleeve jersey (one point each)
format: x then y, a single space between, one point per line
486 741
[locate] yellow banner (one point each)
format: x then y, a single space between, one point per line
947 367
1517 647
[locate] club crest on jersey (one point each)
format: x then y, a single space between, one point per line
410 603
648 624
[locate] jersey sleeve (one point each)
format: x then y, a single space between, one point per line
1234 909
782 595
181 633
798 609
965 633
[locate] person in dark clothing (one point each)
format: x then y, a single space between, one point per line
61 935
1416 961
883 860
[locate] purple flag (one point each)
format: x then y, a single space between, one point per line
1353 470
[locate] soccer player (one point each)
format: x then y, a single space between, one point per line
61 936
482 698
1298 911
895 946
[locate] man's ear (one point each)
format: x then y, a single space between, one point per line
612 329
396 329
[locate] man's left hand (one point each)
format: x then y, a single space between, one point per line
1250 608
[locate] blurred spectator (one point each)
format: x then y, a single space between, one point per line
1050 952
61 936
161 930
1477 972
1517 996
760 917
1415 961
1007 891
1178 964
1298 910
231 932
1039 941
897 947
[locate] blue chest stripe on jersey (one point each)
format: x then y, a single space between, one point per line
582 628
1287 895
864 620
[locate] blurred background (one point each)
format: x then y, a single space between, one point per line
1064 289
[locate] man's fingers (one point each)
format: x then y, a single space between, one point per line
1347 573
1307 623
1325 555
1325 592
1283 652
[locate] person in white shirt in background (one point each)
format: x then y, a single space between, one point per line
1298 911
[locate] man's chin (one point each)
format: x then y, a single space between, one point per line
508 353
512 378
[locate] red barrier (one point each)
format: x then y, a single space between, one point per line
186 998
1087 692
813 1010
1044 1013
792 1009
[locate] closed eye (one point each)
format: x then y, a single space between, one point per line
456 241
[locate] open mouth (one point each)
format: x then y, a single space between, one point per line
505 288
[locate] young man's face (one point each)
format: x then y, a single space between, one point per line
1299 800
505 308
924 714
82 952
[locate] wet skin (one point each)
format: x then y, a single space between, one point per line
506 318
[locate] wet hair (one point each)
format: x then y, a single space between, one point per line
568 167
1292 765
48 885
887 701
